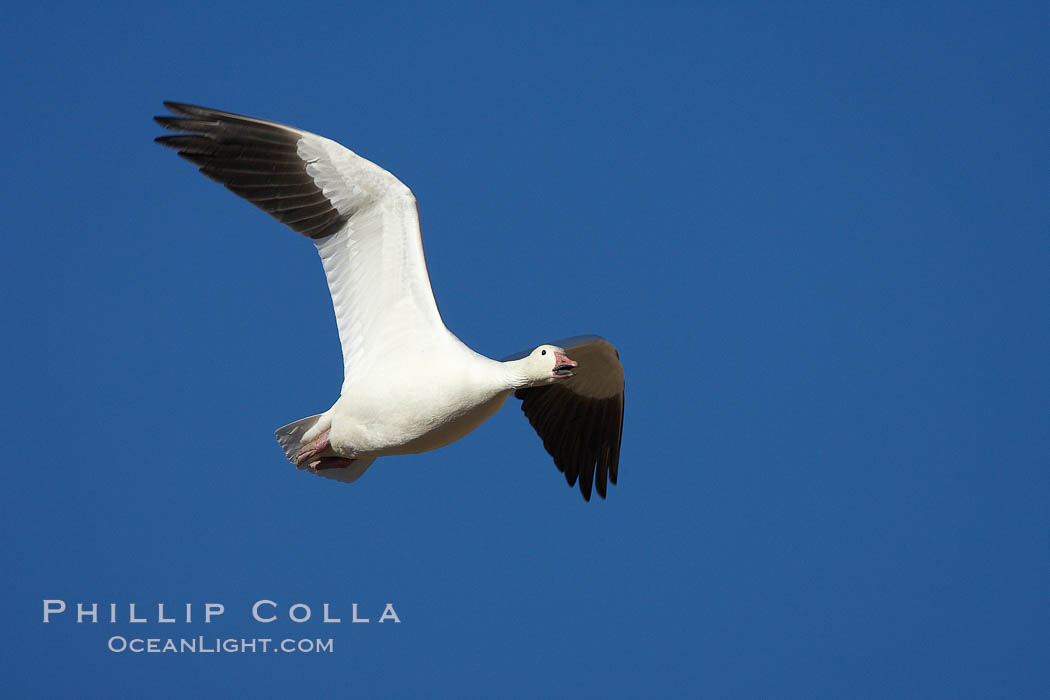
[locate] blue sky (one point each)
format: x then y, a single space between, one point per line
816 233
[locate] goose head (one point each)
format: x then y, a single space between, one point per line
545 365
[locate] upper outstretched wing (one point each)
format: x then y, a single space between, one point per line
363 220
580 419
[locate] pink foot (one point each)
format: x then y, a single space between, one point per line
318 445
322 463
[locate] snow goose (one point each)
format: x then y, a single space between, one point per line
409 384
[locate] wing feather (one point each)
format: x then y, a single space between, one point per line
363 220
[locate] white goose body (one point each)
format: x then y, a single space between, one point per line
417 408
409 384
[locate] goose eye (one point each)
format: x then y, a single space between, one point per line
543 352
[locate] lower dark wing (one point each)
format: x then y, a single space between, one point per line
580 419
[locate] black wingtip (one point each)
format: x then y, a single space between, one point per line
169 122
586 475
169 140
186 109
255 159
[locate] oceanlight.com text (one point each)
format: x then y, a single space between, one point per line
218 645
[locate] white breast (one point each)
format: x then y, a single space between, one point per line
416 402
